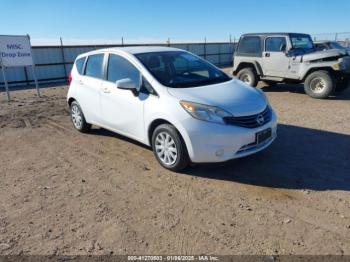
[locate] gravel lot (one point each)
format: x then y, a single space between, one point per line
62 192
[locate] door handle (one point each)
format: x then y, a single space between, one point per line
267 54
106 90
80 82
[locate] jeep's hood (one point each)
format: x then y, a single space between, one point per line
233 96
324 54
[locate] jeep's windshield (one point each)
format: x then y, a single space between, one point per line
179 69
300 41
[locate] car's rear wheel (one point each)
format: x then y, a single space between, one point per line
319 84
169 148
78 118
248 76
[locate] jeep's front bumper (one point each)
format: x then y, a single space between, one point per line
343 66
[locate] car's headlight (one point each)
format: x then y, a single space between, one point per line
205 112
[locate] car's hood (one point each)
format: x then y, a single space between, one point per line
233 96
324 54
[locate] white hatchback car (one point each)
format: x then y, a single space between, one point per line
182 106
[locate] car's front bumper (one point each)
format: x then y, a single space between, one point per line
210 142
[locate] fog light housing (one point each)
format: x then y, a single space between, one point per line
219 152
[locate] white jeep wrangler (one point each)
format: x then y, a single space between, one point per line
291 58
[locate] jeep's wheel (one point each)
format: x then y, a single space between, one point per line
342 85
248 76
319 84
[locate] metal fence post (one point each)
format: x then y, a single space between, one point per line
34 71
63 59
5 81
26 75
205 48
168 42
35 80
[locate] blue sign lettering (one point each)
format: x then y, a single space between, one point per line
14 46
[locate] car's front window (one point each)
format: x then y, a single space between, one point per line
179 69
301 41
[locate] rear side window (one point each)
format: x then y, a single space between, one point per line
120 68
275 44
250 45
80 64
94 66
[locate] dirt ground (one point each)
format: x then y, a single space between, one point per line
63 192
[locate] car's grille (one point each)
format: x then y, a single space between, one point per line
251 121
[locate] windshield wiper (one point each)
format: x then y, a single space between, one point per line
202 82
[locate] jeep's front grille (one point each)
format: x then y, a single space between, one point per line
251 121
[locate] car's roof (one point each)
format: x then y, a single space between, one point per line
274 33
136 49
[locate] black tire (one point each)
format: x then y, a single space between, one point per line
248 76
342 85
81 125
319 84
175 164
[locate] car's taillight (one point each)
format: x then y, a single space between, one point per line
70 77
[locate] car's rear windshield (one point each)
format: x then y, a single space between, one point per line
180 69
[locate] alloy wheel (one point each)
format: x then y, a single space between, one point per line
77 117
166 148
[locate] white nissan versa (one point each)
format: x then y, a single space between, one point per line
182 106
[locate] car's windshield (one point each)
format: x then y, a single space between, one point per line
179 69
336 45
301 41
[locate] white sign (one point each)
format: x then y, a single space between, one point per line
15 51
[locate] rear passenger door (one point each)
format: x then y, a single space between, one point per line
275 60
89 88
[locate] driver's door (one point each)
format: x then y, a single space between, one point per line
275 60
122 110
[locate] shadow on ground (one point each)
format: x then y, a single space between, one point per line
300 158
299 89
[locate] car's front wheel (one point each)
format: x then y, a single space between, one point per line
78 118
319 84
169 148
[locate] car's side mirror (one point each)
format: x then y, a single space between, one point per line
128 84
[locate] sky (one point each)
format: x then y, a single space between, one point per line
107 21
